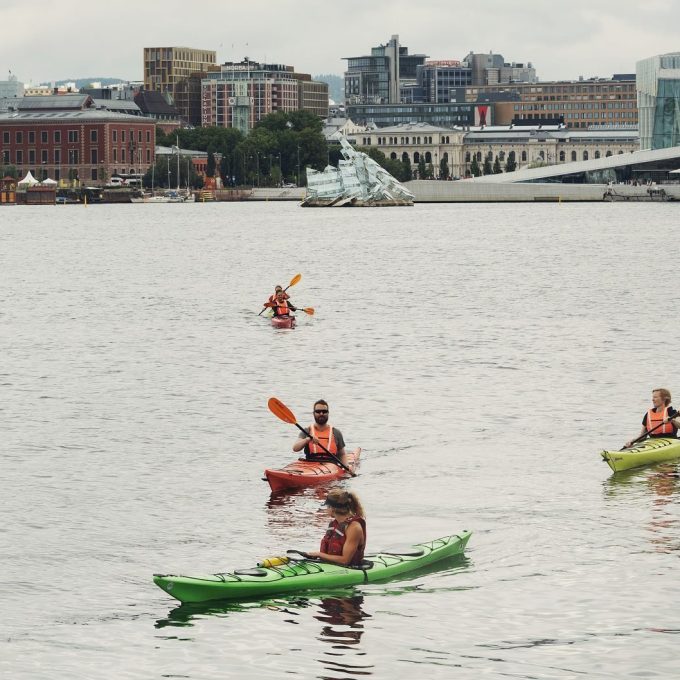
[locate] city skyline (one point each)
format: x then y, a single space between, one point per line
45 42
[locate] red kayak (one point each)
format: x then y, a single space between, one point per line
283 321
308 472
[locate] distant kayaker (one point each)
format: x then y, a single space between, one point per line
320 432
345 539
280 305
272 298
662 418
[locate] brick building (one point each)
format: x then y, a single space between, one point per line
68 140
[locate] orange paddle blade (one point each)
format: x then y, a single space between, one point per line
308 310
281 411
294 280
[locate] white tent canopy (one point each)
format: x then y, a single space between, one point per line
48 182
29 180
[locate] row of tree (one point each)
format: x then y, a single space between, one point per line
491 166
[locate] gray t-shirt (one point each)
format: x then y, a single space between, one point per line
339 440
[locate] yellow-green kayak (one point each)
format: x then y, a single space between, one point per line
652 450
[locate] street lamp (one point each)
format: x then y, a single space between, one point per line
280 170
257 167
298 166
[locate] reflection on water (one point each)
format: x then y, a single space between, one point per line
288 508
658 488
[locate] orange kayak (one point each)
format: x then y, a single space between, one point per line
283 321
308 472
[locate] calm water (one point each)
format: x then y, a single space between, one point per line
481 355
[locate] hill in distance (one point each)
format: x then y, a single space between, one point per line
336 86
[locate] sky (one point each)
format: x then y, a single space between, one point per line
44 40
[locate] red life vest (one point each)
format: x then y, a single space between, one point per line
326 438
334 539
656 418
281 308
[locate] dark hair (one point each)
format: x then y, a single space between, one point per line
320 401
346 501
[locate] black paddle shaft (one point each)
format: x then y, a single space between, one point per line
333 456
646 434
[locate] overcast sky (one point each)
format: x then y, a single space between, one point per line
46 40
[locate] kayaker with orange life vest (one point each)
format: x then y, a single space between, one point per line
280 305
662 417
321 433
272 298
345 539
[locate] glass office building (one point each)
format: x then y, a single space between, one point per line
658 91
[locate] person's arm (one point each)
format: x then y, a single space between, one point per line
340 444
643 432
353 538
673 418
301 442
292 306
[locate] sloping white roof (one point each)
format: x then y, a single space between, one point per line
29 180
48 182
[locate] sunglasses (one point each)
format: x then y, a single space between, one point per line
320 411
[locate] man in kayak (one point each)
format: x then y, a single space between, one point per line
321 432
662 419
345 539
280 304
272 298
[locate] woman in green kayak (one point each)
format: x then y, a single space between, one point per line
662 420
345 539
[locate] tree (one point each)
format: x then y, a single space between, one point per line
511 163
211 164
475 170
497 170
408 171
487 164
443 169
422 170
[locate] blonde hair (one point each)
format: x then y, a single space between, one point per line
665 395
346 499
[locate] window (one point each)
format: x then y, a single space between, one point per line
57 136
93 137
122 155
148 155
122 136
20 157
115 155
93 174
115 136
5 157
148 136
609 153
19 137
31 137
562 157
57 156
44 137
73 136
73 156
524 156
139 136
597 154
573 155
43 156
93 156
585 155
31 156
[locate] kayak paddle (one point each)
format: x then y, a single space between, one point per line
646 434
282 412
293 281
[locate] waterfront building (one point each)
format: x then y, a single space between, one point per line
492 69
444 115
156 105
527 146
658 92
241 94
580 103
412 142
67 138
177 72
378 78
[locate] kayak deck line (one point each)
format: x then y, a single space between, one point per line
647 452
309 574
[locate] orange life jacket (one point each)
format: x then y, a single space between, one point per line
281 308
655 418
334 539
326 438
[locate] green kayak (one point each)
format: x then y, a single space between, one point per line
308 574
652 450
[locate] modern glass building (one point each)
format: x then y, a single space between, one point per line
658 93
